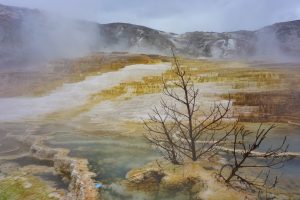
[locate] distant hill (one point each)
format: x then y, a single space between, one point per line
27 34
275 40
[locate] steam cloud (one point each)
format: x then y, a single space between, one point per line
52 37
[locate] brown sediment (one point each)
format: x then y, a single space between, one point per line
272 106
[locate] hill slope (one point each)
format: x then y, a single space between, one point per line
31 34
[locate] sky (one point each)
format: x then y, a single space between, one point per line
176 16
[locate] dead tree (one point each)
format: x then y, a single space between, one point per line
162 135
178 128
250 166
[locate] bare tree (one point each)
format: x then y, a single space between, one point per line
162 135
247 154
178 128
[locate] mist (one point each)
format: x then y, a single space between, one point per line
56 37
32 36
49 37
278 43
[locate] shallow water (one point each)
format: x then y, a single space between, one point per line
111 157
54 180
28 160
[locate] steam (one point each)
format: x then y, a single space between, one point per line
51 37
267 44
30 36
271 46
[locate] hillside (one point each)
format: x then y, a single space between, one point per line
27 34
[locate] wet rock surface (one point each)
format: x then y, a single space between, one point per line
81 186
192 179
76 171
149 176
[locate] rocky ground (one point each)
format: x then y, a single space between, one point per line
197 179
